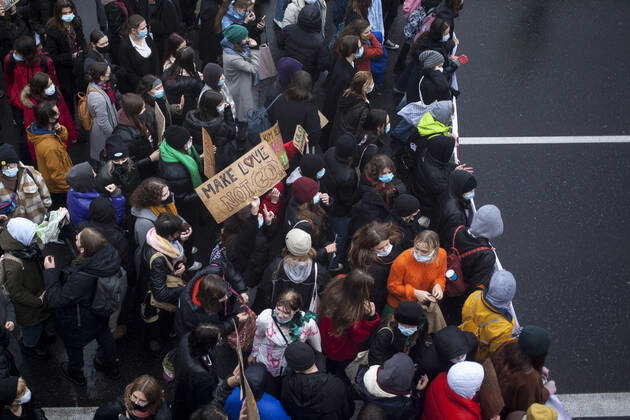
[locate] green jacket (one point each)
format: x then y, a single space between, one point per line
24 282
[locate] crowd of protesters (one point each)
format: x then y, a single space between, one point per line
363 284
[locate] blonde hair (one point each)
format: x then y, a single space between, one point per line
428 237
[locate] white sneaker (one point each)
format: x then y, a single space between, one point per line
390 45
196 266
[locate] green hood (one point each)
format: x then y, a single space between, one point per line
8 243
429 126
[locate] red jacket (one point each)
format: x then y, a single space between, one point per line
17 74
371 49
441 403
346 346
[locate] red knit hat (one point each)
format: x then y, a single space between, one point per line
304 189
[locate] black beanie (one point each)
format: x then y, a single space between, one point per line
116 147
311 164
8 390
410 313
299 356
345 146
534 341
176 136
405 205
8 154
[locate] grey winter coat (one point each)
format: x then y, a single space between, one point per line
104 119
240 75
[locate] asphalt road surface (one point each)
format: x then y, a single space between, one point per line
537 68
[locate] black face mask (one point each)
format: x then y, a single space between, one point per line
103 50
140 408
169 200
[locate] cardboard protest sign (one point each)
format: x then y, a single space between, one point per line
322 119
246 391
273 136
208 154
252 175
160 123
7 4
300 138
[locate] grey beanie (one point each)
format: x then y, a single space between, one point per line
298 242
501 290
487 222
430 59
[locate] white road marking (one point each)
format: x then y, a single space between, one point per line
70 413
465 141
613 404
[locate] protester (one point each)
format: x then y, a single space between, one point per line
174 43
452 395
353 107
143 398
23 190
101 101
406 216
182 82
448 346
137 54
15 398
370 49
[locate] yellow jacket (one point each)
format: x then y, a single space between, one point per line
53 161
491 327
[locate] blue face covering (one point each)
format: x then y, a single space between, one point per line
359 53
17 57
143 33
316 198
68 18
407 331
469 195
386 178
159 94
221 83
446 37
320 174
388 127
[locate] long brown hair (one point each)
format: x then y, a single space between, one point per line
345 45
361 254
132 105
151 389
56 21
344 300
315 215
373 170
517 361
358 82
359 6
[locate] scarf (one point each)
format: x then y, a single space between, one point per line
190 160
31 252
228 47
298 271
161 245
297 323
164 208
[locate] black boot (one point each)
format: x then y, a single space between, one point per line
75 376
111 371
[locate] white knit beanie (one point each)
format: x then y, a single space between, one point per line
465 378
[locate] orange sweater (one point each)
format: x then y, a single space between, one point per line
407 275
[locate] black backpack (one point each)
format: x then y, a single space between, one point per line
110 293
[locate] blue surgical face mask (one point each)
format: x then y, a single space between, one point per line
388 127
469 195
386 252
12 172
407 331
50 90
423 258
359 53
446 37
320 174
221 108
386 178
159 94
316 198
17 57
221 83
143 33
68 18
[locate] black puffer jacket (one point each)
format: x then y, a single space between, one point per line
435 86
477 268
341 182
155 276
289 113
58 47
189 314
352 111
179 182
303 41
176 86
448 343
70 292
338 80
310 397
275 281
223 134
432 173
370 145
452 207
138 145
372 206
195 383
379 270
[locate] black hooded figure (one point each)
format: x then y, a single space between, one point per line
453 208
432 173
448 345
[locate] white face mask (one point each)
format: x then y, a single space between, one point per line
370 89
26 397
188 145
469 195
446 37
423 258
50 90
386 252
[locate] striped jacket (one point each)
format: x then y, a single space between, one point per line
32 196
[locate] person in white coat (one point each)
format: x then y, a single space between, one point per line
240 64
101 109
